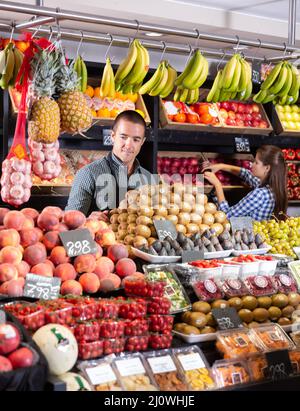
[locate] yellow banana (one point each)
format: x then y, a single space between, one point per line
186 71
184 95
248 90
140 68
17 65
280 81
127 64
155 91
295 82
154 80
177 93
215 86
236 77
189 80
84 76
272 76
244 77
203 75
107 88
172 75
8 71
228 71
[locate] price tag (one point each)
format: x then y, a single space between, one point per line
2 317
256 72
101 374
107 140
162 364
43 288
165 228
279 364
78 242
133 366
191 361
188 256
226 318
242 145
239 223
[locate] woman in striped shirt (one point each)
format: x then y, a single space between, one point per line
268 180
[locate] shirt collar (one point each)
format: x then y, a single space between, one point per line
119 163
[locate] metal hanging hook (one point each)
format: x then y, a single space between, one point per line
222 58
164 50
137 29
36 32
257 50
58 25
198 37
285 47
238 43
13 25
109 46
51 33
190 53
80 42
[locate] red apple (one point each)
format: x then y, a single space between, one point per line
256 116
241 108
263 124
255 108
231 114
9 338
240 123
226 105
234 107
255 123
21 358
231 122
248 123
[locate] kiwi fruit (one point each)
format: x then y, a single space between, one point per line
280 300
287 311
220 304
210 320
179 327
185 316
236 302
284 321
190 330
260 314
197 320
274 313
264 302
208 330
246 315
202 307
294 299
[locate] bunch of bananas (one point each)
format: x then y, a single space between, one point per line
11 60
234 81
281 85
81 70
107 88
186 96
195 72
133 69
162 82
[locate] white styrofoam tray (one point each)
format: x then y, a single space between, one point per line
155 258
218 254
258 251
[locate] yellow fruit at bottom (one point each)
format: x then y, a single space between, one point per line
97 92
89 91
114 113
103 112
132 97
140 112
94 113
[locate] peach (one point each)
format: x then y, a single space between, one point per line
59 255
125 267
14 219
30 212
62 227
58 212
71 287
40 233
23 268
85 263
65 271
28 223
3 212
9 237
51 264
29 236
8 272
93 225
11 255
133 277
15 288
51 239
35 254
90 283
99 252
43 269
3 288
105 237
48 222
104 266
110 283
74 219
116 252
102 225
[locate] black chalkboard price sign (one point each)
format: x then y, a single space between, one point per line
165 228
226 318
242 144
279 365
78 242
43 288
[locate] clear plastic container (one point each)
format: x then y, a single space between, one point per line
284 282
31 315
266 267
90 349
143 288
167 375
133 309
230 283
160 341
133 373
258 367
84 308
107 309
137 343
136 327
173 290
247 269
86 330
259 285
272 337
237 343
161 323
158 305
205 285
111 328
113 345
195 368
58 312
100 375
230 372
295 360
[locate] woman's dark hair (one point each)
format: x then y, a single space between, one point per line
277 177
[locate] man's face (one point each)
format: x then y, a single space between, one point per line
128 139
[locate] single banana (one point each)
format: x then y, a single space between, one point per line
155 91
260 96
8 71
18 63
190 96
196 96
203 75
154 80
288 82
236 76
248 91
244 77
216 96
295 83
127 64
140 68
2 61
186 71
107 88
177 93
215 86
184 95
283 100
281 79
269 98
228 71
272 76
172 75
84 76
293 99
190 79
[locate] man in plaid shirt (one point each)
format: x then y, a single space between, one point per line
102 184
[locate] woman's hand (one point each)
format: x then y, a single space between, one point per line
100 215
212 179
213 167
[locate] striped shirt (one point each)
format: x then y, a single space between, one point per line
102 184
258 204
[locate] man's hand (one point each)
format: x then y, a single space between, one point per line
212 178
100 215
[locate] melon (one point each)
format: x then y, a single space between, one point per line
75 382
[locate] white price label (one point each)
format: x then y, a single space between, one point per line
191 361
101 374
132 366
162 364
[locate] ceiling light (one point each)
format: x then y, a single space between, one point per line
153 34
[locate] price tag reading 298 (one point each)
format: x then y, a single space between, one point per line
78 242
78 248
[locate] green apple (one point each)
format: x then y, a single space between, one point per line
295 108
287 108
279 108
297 125
288 116
281 115
284 124
295 116
291 125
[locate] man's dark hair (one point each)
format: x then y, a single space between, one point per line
132 116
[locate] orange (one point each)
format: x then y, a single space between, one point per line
94 113
114 113
103 112
97 92
89 91
132 97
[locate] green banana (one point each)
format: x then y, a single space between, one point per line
186 71
296 80
127 64
260 96
196 96
140 68
236 77
215 86
184 95
203 75
189 80
224 95
269 98
283 100
154 80
272 76
294 98
288 82
177 93
84 76
77 69
228 71
248 90
17 65
281 79
2 61
155 91
216 96
244 80
8 71
127 89
107 88
172 75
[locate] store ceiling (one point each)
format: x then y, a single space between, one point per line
263 19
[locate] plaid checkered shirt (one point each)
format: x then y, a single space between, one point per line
102 184
258 204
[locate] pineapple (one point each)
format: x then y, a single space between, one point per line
44 119
75 114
